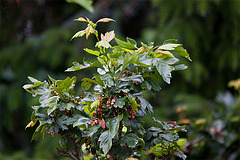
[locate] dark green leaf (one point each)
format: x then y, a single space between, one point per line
114 124
152 84
120 102
105 141
130 139
93 129
145 104
81 120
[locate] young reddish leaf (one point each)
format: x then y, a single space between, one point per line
88 30
30 124
108 36
80 19
105 20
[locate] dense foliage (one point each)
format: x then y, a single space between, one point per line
31 30
109 119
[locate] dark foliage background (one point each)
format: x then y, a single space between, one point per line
35 41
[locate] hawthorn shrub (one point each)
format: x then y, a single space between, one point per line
107 121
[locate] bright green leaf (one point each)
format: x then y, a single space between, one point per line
96 53
124 44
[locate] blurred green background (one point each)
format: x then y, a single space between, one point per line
35 41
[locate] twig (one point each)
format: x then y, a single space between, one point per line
65 154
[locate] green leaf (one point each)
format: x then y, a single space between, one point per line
169 137
164 70
120 102
130 59
33 79
98 79
102 59
76 66
145 104
170 41
52 104
81 120
130 139
96 53
181 142
180 155
105 141
93 129
133 103
29 86
169 46
87 4
182 52
152 84
180 67
124 44
87 83
138 78
114 125
95 104
78 34
132 41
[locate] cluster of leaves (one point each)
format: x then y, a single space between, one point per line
108 120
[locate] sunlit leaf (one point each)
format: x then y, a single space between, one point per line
78 34
80 19
88 31
76 66
96 53
164 70
105 20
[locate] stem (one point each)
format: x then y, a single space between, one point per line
97 156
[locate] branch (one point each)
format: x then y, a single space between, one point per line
65 154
